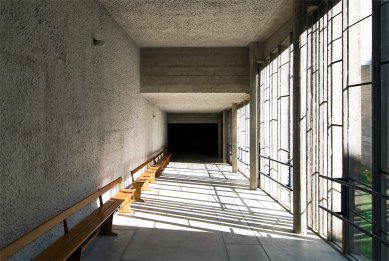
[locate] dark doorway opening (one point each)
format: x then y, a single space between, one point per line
195 141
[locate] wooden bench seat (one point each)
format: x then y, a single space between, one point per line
71 245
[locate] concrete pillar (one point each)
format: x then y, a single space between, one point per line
234 134
253 118
219 136
299 180
224 136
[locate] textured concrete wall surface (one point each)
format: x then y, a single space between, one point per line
71 115
195 70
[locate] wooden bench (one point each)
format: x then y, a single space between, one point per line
127 195
73 242
141 180
158 168
164 164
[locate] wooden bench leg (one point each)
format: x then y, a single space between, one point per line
106 228
138 191
154 175
159 172
126 209
145 186
126 206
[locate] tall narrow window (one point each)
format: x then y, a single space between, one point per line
244 139
275 138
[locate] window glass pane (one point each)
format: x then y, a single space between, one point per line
275 131
360 133
362 208
336 94
336 151
358 9
336 230
337 8
361 215
337 50
336 27
362 244
243 118
360 52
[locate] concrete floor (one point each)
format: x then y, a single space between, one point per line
204 212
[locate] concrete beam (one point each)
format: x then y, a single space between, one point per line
193 118
234 134
193 70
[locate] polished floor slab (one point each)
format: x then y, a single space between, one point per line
203 211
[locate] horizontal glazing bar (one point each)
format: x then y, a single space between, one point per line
283 163
357 85
344 182
240 149
279 183
383 241
348 27
244 163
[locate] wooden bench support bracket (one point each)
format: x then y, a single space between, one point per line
106 228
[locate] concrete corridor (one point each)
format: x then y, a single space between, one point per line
205 212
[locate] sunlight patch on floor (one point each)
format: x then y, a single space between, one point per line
206 207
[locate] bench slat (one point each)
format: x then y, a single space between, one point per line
67 244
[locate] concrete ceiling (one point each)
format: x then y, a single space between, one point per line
199 23
195 102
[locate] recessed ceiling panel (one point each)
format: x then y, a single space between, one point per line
198 23
195 102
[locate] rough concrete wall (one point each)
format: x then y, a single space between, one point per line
71 115
193 118
195 70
